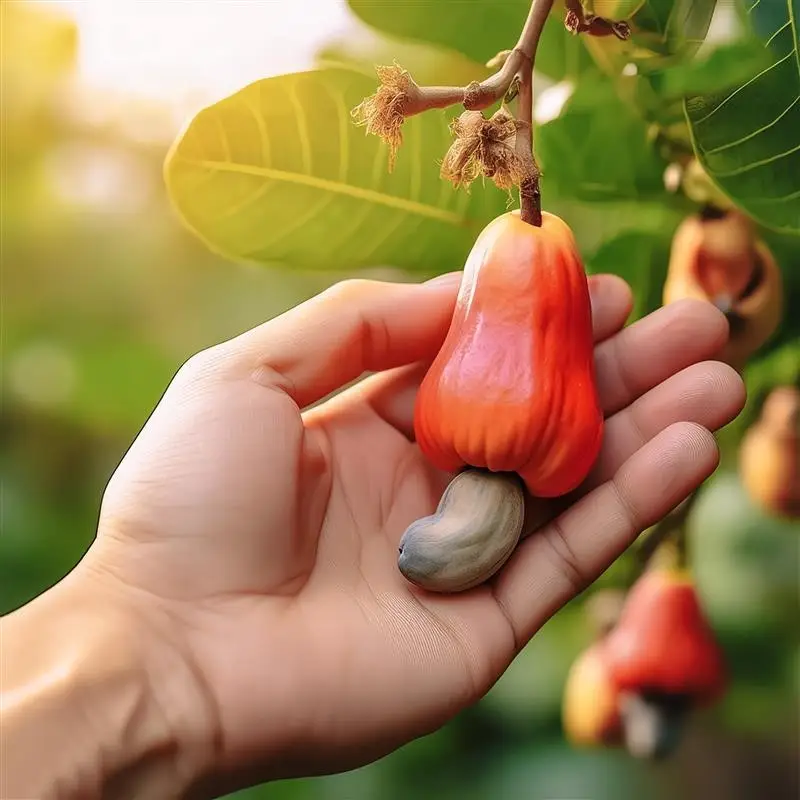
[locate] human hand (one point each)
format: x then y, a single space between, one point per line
252 540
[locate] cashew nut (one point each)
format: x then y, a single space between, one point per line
472 534
652 725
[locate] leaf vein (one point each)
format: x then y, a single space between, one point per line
767 201
741 88
793 21
755 133
756 164
386 234
344 147
298 223
324 184
302 129
780 30
244 203
259 124
223 137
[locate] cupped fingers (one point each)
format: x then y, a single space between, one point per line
710 394
655 347
391 394
553 566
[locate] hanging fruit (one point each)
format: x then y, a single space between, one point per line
590 710
663 659
717 256
769 456
590 705
513 387
511 393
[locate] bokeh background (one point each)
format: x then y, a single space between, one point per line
105 294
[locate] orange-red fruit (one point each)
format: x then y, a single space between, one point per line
590 711
513 386
769 456
721 260
663 643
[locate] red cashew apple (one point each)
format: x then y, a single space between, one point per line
663 643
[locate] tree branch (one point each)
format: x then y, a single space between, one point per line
479 95
673 523
399 97
529 193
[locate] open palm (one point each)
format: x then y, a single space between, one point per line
264 528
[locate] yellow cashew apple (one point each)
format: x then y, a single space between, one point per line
769 456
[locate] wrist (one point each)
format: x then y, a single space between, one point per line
96 704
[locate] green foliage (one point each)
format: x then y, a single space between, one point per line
579 151
641 259
478 28
429 64
721 69
672 29
278 173
748 137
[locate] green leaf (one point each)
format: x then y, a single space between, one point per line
598 149
429 64
479 29
279 173
640 258
725 67
673 28
748 138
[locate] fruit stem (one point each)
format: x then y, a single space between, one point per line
530 196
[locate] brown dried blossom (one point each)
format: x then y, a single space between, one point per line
383 113
485 148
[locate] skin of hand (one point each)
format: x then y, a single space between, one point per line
240 616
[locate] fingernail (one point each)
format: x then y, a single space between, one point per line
445 280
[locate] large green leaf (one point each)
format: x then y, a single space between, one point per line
598 149
479 29
748 138
278 173
429 64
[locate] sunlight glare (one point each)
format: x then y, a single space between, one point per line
179 51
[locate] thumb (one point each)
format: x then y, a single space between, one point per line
355 326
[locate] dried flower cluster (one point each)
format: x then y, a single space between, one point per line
485 148
383 113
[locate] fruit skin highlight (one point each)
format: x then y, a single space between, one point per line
513 387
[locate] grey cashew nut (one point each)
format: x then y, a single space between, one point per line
473 533
652 724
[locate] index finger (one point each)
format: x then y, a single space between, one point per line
356 326
562 559
392 394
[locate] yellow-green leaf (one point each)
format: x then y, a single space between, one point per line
278 173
